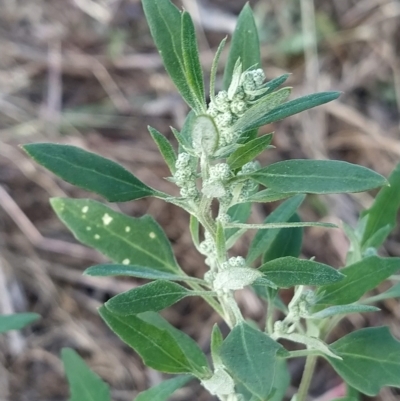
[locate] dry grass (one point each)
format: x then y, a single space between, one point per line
85 72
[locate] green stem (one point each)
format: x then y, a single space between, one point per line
306 379
210 300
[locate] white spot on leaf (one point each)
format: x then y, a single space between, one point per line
97 236
127 229
107 219
126 262
85 209
88 228
152 235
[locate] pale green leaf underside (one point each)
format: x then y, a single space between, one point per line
84 384
16 321
343 310
122 238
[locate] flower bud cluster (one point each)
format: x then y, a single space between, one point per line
233 262
249 186
185 176
215 186
229 106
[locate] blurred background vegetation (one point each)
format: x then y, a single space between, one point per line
85 72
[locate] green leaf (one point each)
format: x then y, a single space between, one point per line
238 213
393 292
383 212
245 45
191 61
268 195
153 297
157 346
288 271
343 310
89 171
16 321
281 380
264 105
84 384
134 271
361 277
214 68
275 83
190 348
295 106
162 391
164 20
165 148
250 357
288 242
264 238
216 343
249 151
122 238
317 177
345 399
370 359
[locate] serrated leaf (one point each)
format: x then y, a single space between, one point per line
264 105
317 177
264 238
84 384
294 107
370 359
122 238
343 310
288 271
164 20
165 148
89 171
288 242
250 357
16 321
244 45
191 59
383 211
249 151
154 296
158 347
361 277
162 391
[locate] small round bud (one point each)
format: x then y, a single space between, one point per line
238 107
258 76
220 171
183 160
237 261
224 218
224 119
222 101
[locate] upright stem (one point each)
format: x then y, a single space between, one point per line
306 379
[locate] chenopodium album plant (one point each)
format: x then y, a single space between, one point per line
215 164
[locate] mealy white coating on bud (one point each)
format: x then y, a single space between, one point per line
237 261
239 107
204 135
223 218
224 119
235 279
183 160
213 188
220 171
222 101
220 384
